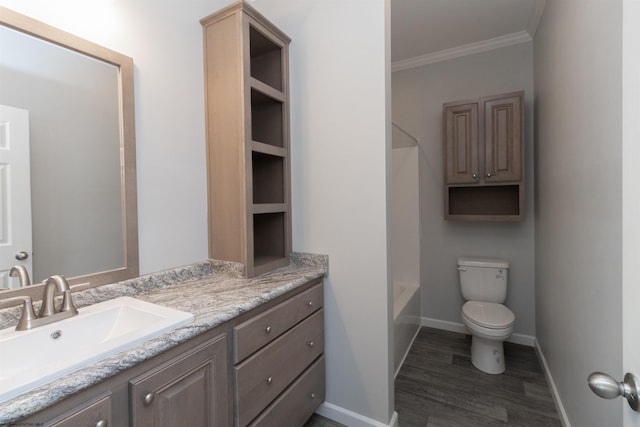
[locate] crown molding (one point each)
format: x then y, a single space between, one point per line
468 49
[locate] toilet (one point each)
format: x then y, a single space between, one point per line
483 282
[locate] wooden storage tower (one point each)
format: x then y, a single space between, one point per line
247 122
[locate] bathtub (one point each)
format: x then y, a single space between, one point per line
406 319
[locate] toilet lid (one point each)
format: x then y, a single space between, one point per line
488 314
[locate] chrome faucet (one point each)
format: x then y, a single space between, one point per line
48 306
22 273
28 316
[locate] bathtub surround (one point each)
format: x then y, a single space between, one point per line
405 242
212 291
406 320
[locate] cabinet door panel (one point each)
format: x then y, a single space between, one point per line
89 414
461 143
503 139
190 390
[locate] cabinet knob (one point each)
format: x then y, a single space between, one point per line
310 343
269 380
310 303
474 176
102 423
489 175
267 329
148 398
312 395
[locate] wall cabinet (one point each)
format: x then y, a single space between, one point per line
247 123
484 158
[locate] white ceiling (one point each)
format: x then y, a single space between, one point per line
424 30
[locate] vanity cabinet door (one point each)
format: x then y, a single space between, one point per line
94 413
190 390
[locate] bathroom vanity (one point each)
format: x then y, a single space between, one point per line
252 356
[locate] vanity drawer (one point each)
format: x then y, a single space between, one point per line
255 333
263 376
298 402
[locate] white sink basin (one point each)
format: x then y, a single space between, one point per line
31 358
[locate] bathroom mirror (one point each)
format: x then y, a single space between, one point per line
76 99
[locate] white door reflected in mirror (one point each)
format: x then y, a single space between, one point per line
15 194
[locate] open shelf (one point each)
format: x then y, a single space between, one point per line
248 148
265 59
268 238
268 178
490 202
266 119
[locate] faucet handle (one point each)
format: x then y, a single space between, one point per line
28 315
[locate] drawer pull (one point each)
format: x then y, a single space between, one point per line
267 329
310 343
102 423
310 303
269 380
148 398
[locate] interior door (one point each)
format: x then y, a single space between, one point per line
631 196
15 194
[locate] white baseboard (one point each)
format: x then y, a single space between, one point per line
552 385
350 418
446 325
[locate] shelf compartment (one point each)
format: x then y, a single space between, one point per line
484 201
266 119
268 178
268 238
268 149
265 59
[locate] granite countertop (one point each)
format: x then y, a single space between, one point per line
214 291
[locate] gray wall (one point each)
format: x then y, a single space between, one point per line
579 207
418 95
340 181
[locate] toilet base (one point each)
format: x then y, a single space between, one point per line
487 355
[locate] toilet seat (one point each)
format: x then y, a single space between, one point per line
488 315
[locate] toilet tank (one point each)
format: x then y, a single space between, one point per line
483 279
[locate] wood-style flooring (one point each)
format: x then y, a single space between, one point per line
438 386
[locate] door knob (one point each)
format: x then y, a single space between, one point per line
608 388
